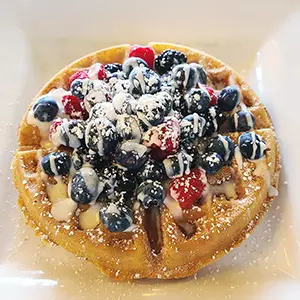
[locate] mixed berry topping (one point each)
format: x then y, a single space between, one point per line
142 131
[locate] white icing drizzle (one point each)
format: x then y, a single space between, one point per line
57 192
174 208
196 123
226 146
213 114
238 157
261 169
254 146
44 127
249 120
186 70
53 164
139 80
90 218
131 228
235 119
64 209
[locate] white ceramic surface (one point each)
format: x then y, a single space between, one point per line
266 266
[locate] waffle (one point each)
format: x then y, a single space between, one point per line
216 225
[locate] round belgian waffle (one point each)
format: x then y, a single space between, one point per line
220 224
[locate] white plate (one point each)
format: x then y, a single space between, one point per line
266 266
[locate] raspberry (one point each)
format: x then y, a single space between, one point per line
97 71
81 74
212 94
187 189
163 139
145 52
102 73
57 122
74 107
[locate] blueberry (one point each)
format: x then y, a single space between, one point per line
124 103
131 155
252 146
143 81
98 93
166 100
166 61
116 218
150 110
229 98
212 162
133 62
118 182
85 186
113 68
192 150
81 87
197 100
82 155
166 78
178 164
46 109
192 127
128 128
151 194
214 119
101 136
179 103
223 145
185 77
113 78
201 72
243 120
56 163
103 110
153 170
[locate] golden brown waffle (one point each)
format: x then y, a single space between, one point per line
220 224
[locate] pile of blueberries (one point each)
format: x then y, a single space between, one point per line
112 163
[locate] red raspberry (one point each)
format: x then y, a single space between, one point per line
188 188
74 107
97 71
81 74
163 139
212 94
144 52
55 123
